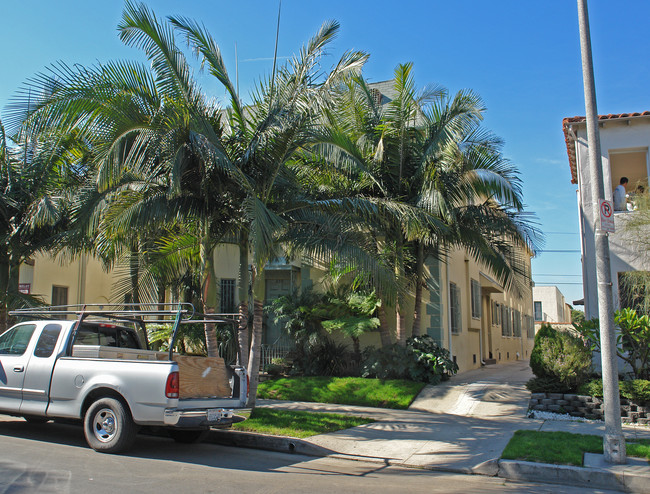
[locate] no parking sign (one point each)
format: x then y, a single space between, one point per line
606 216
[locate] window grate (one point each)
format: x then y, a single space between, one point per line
227 295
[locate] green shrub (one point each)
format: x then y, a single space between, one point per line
537 364
326 358
273 369
560 356
547 385
421 360
637 390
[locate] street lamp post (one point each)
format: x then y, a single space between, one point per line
613 442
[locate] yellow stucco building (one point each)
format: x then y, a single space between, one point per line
463 308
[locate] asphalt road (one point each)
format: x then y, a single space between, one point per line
54 458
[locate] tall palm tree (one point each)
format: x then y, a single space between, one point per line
35 175
427 152
164 156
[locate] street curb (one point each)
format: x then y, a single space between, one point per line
506 469
255 440
571 475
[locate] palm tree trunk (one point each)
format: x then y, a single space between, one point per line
208 297
134 273
384 330
419 284
4 290
401 324
254 358
399 315
357 351
242 330
161 294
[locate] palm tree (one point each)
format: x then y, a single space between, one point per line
164 156
427 153
34 177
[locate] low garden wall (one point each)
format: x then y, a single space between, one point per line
587 406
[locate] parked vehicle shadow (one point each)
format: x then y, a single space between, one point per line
150 447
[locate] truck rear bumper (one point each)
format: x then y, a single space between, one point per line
198 418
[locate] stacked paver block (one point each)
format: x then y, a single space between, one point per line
587 406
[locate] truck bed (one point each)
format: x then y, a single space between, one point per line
200 377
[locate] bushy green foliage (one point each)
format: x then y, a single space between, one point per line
577 316
308 316
421 360
547 385
632 339
545 332
560 356
326 358
637 390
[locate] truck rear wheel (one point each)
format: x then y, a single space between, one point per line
108 426
187 436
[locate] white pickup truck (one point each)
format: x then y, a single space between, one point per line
98 369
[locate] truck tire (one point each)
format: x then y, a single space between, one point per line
187 436
109 427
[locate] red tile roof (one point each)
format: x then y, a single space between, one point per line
570 143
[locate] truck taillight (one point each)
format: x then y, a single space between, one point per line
172 387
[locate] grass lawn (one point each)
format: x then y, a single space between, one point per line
562 448
297 424
343 390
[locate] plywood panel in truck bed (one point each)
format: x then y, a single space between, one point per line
202 377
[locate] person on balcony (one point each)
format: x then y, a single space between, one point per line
620 195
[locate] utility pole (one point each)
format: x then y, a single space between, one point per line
613 442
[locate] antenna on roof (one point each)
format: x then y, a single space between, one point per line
275 53
236 71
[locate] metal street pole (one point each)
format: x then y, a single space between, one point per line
613 442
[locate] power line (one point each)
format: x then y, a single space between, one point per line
563 275
561 233
564 251
548 283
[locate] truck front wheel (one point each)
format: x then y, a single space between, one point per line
108 426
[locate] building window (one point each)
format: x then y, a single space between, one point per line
516 324
454 307
538 311
227 296
496 314
530 327
59 295
476 299
506 321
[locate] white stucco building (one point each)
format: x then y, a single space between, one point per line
550 305
625 139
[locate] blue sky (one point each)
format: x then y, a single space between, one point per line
522 57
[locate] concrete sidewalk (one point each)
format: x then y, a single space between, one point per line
462 426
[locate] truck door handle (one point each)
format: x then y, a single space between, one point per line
19 368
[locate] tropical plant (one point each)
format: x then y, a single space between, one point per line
438 179
420 360
632 339
36 176
166 158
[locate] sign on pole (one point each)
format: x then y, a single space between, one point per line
606 216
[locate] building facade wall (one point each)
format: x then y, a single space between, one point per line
617 136
553 304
